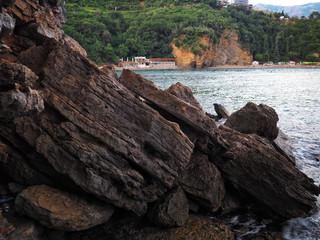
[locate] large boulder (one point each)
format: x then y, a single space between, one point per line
259 172
172 209
202 181
261 120
61 210
193 121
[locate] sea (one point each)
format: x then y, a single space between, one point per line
295 95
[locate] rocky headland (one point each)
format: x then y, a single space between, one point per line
85 154
227 51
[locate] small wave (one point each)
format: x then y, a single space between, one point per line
303 228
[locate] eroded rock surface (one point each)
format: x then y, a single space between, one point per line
261 120
202 181
184 93
259 171
170 210
61 210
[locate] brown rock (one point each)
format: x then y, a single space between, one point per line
196 228
15 103
184 93
176 110
228 50
261 120
61 210
258 171
74 45
203 182
170 210
13 73
99 136
14 227
221 111
39 23
110 69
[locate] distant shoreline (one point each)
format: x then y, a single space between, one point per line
223 67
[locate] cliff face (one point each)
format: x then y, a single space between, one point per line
227 51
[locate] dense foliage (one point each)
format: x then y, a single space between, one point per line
113 29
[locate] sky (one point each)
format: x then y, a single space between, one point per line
283 2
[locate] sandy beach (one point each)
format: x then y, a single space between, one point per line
225 67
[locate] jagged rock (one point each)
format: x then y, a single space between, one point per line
109 69
221 111
39 22
7 24
260 172
184 93
100 137
261 120
193 121
61 210
12 73
283 144
170 210
15 104
180 109
74 45
203 182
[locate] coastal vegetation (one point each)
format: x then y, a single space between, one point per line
110 30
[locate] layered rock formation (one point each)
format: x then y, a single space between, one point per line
227 51
86 144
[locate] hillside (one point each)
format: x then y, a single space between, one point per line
297 10
124 29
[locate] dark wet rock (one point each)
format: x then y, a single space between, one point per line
196 228
221 111
7 24
232 201
261 120
202 181
184 93
14 227
16 188
261 173
170 210
283 144
61 210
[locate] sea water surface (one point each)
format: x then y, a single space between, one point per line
293 93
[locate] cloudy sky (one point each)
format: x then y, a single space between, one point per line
283 2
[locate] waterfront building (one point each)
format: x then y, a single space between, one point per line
241 2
